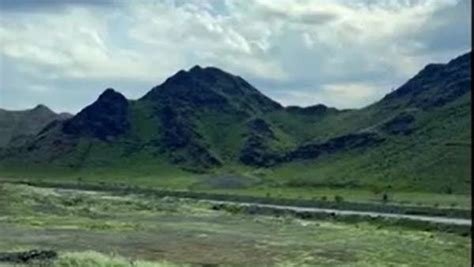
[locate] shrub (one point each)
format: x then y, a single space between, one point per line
448 190
338 199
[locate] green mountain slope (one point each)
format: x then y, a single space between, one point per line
426 130
208 121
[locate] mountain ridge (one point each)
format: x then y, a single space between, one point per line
205 119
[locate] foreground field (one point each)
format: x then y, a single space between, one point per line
101 229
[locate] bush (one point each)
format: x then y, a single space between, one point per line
338 199
448 190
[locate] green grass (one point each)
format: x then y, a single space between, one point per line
355 195
141 170
169 232
434 158
282 184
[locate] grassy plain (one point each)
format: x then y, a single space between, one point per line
102 229
252 183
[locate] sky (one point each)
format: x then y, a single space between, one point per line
341 53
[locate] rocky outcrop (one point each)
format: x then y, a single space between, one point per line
211 88
258 149
316 110
105 119
257 152
261 127
181 141
28 257
435 85
402 124
337 144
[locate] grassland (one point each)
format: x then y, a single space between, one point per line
252 183
101 229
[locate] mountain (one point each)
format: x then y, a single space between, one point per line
188 120
211 88
106 118
197 110
416 137
16 126
206 120
435 85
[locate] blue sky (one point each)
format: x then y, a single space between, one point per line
342 53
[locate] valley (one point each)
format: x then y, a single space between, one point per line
229 133
205 170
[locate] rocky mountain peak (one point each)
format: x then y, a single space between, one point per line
110 94
213 88
435 85
107 117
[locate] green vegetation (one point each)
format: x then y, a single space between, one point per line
95 259
171 232
253 186
208 123
435 159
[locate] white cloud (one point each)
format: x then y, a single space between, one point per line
71 44
344 53
39 88
190 34
343 95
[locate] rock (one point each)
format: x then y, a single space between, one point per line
345 142
213 89
257 150
314 110
28 256
401 124
261 127
177 128
106 118
257 153
435 85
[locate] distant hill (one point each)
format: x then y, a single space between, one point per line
18 125
206 120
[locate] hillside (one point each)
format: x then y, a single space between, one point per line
15 126
205 120
420 137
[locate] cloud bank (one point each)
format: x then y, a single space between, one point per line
300 52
